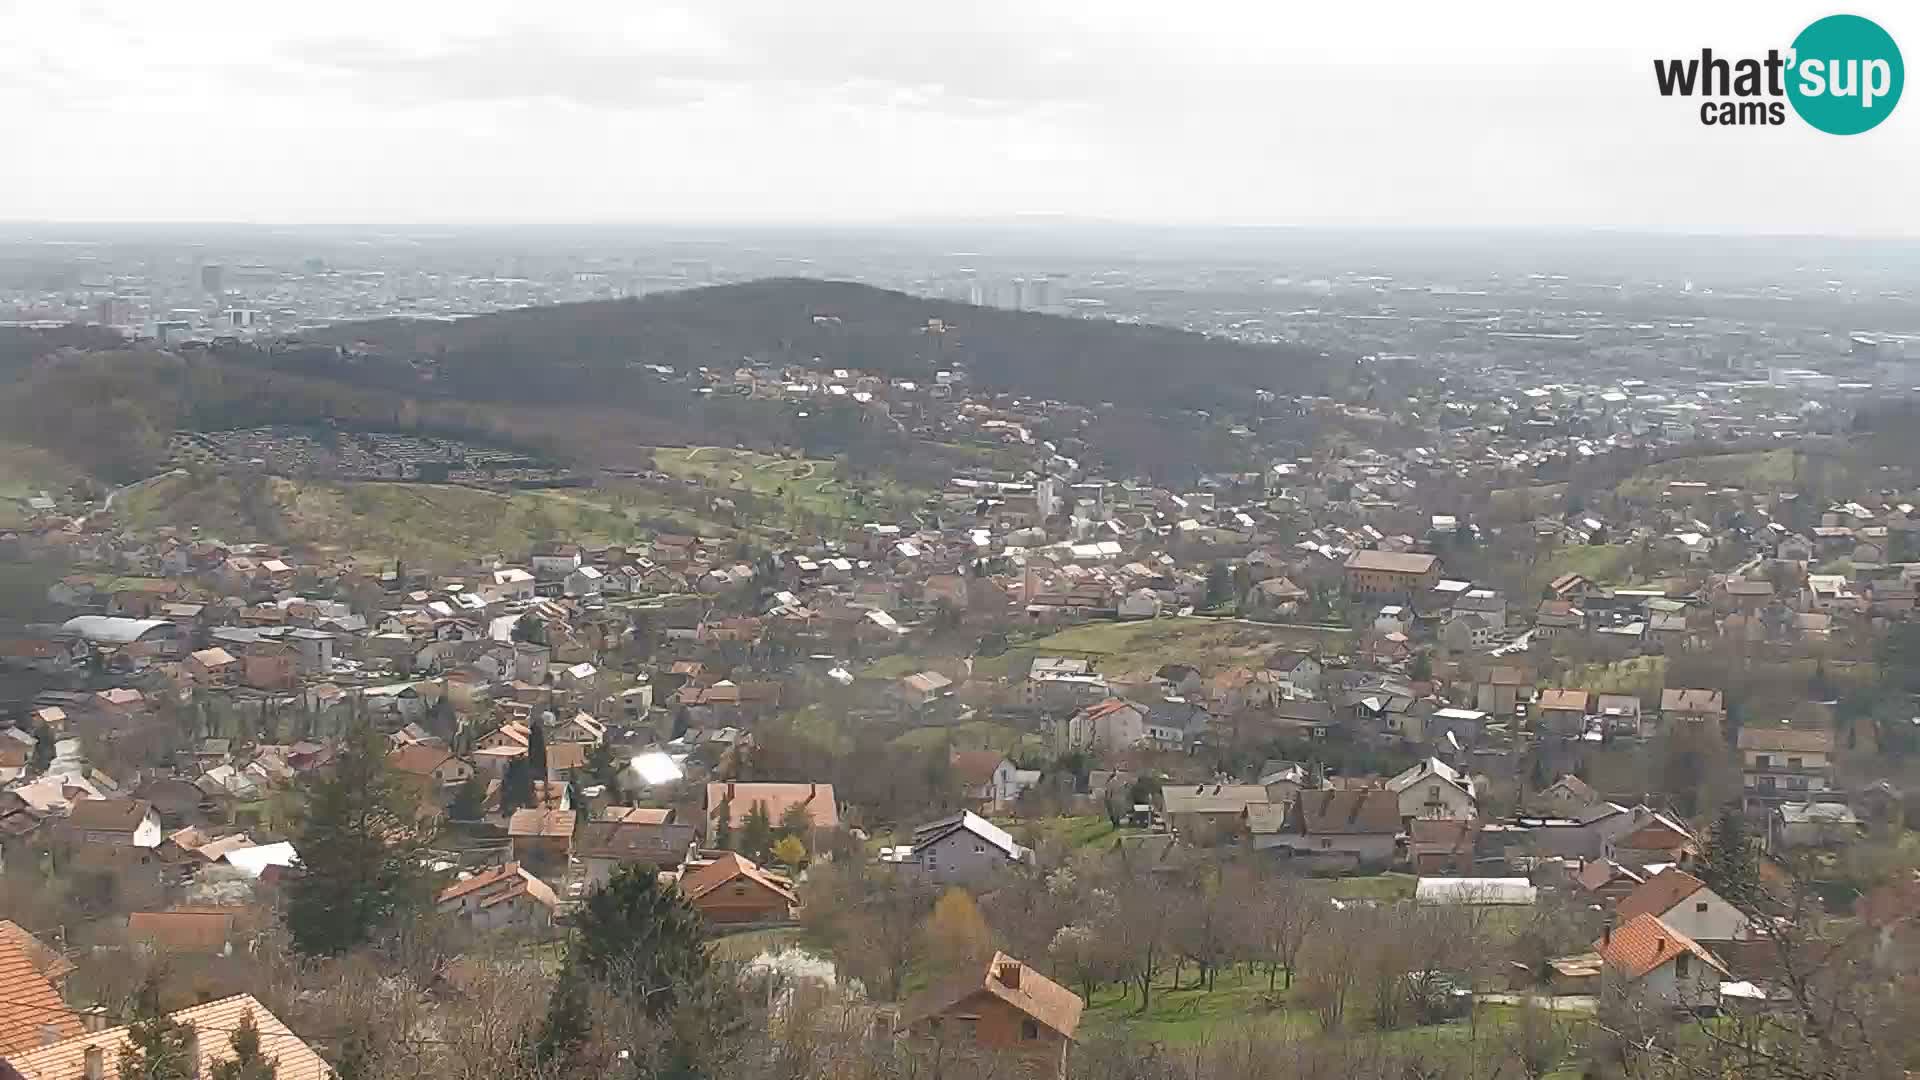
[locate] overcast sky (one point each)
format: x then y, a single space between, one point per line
1524 113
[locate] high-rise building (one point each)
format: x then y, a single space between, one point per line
212 278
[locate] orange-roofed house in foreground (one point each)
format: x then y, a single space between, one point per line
1006 1008
96 1055
1646 956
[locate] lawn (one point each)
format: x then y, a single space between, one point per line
972 735
1384 888
1600 563
1644 675
433 523
810 485
1753 470
1147 644
1239 998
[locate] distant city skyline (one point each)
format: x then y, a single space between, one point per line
1500 115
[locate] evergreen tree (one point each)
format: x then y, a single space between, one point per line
602 769
248 1061
568 1025
756 832
516 787
723 828
359 851
796 820
157 1046
640 939
469 799
42 753
537 749
1732 868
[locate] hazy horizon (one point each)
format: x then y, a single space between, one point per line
1381 115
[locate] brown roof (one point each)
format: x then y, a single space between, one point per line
566 755
1600 873
636 815
1659 895
542 823
32 1007
509 879
817 798
418 759
1801 740
108 815
1644 943
658 843
1392 562
703 880
1680 699
47 960
1365 811
975 767
215 1021
182 931
1562 699
1010 981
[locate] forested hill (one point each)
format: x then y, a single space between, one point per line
591 351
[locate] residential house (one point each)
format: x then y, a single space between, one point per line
1298 672
1501 691
1653 839
1567 795
1009 1008
1561 712
965 849
1349 829
923 689
1687 904
542 837
1434 789
1209 814
1440 847
1646 956
737 800
34 1012
732 889
1784 764
209 1029
1620 712
1110 726
500 897
643 837
115 822
987 776
1398 574
1679 705
1607 881
1793 825
428 762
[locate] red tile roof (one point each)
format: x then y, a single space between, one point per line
1644 943
1659 895
30 1008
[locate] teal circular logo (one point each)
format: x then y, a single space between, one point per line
1846 75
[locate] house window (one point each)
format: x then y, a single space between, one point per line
1683 965
1763 761
1700 906
1029 1030
739 890
1326 845
1794 762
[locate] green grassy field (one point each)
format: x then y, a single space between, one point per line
1147 644
1755 470
1603 564
423 522
26 471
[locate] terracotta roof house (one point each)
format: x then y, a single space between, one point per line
1006 1008
734 889
740 798
47 960
1646 954
97 1054
115 821
542 836
500 896
34 1011
1657 839
1685 903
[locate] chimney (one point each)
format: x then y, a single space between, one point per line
1606 933
94 1018
1009 974
811 789
1659 946
729 790
96 1063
